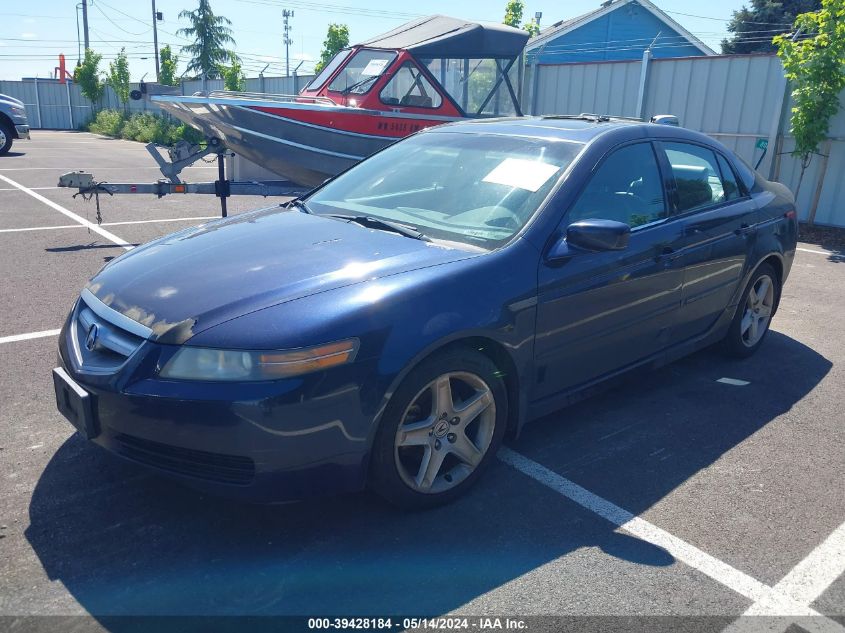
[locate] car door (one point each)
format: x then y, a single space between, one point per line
601 311
719 221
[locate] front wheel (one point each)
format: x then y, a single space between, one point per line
7 137
440 430
754 313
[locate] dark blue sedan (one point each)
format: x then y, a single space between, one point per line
391 328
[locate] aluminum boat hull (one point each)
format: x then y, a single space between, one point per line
304 143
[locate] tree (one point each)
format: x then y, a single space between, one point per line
233 76
513 12
118 77
87 75
211 34
169 61
753 28
337 38
513 16
815 67
532 27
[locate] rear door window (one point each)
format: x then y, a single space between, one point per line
729 181
697 176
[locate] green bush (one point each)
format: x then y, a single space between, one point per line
108 123
145 127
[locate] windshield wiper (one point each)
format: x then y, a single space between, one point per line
358 84
383 225
299 203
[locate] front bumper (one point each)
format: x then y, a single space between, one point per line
22 131
263 442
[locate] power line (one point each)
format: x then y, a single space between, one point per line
680 39
704 17
103 13
341 9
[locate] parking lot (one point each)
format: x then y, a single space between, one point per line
705 490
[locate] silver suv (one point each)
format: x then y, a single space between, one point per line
13 122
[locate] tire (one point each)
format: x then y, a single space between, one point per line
754 314
433 434
7 137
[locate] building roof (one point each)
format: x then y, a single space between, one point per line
442 36
566 26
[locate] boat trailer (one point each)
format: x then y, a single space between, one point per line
180 156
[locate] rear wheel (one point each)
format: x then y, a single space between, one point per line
440 430
754 313
7 137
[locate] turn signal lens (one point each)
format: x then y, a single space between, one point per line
293 363
198 363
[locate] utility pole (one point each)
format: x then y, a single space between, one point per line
287 14
85 23
156 17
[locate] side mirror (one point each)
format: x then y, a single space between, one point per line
598 235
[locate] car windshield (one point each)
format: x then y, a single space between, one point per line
472 189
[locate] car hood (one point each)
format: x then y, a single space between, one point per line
192 280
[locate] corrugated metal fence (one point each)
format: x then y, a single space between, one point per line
740 100
57 106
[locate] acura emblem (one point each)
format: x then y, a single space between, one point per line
91 339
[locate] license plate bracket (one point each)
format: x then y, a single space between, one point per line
76 404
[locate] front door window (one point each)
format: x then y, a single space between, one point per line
626 187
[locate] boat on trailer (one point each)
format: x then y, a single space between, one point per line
427 72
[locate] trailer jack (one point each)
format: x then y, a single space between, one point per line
179 157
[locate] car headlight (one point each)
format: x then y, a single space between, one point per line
203 363
18 111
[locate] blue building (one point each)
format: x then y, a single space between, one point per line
617 30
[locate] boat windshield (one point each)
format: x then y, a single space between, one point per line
328 71
359 75
474 189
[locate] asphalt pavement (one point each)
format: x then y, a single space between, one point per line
678 494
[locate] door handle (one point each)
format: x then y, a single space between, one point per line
744 229
667 254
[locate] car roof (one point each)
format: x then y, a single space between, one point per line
580 128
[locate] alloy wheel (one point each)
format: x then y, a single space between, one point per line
758 311
445 432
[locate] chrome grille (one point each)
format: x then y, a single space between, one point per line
100 345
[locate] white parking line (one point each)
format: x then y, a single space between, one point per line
779 602
73 216
89 168
77 226
33 188
810 578
815 252
736 382
26 337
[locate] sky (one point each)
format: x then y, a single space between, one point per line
35 32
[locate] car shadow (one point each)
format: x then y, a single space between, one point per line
123 541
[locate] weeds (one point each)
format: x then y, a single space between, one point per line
145 127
